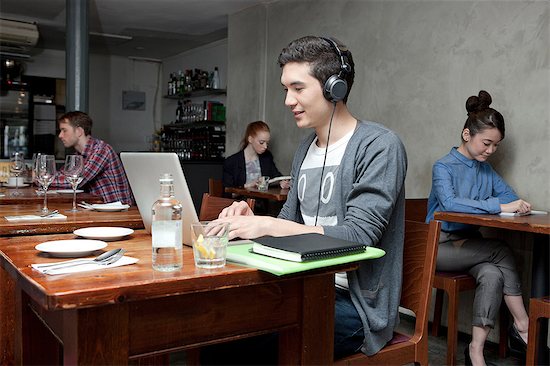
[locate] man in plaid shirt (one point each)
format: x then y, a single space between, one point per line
103 174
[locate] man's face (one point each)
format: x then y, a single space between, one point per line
68 134
304 96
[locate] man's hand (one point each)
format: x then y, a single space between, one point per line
239 208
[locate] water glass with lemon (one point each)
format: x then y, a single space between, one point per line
210 244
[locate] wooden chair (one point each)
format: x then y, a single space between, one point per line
420 251
451 283
539 308
212 206
215 187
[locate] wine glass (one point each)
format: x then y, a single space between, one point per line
34 159
45 174
73 173
17 165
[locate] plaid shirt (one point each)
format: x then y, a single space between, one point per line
103 173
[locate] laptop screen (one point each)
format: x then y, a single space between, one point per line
143 170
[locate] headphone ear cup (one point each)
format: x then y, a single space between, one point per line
335 89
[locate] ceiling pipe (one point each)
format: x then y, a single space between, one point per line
77 55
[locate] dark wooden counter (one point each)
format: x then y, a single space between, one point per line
273 193
29 195
75 220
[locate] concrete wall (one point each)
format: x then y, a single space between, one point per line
417 62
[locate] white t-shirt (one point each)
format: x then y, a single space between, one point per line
308 187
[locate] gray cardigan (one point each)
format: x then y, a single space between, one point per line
371 211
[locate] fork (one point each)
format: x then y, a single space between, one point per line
49 214
86 205
104 262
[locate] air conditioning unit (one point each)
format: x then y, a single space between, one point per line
17 35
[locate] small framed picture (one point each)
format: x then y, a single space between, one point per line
133 100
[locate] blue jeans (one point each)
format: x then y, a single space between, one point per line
348 328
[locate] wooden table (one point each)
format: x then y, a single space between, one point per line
273 193
113 315
75 220
539 225
29 195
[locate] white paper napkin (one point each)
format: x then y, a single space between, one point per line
85 267
35 217
113 205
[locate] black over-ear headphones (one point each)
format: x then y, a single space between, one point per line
336 87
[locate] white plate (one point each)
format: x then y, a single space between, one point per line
106 207
103 233
67 191
13 186
71 248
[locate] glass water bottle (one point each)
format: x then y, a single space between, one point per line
166 228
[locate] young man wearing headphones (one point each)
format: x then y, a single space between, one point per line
347 182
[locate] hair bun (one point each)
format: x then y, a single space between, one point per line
485 100
479 103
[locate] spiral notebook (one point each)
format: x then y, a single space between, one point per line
305 247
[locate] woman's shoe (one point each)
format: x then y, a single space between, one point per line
516 343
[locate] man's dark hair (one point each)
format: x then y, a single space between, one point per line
322 57
78 119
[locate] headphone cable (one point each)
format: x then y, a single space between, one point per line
324 162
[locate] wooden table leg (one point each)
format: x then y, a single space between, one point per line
314 341
96 336
539 286
91 336
7 318
35 343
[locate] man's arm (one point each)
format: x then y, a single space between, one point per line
379 176
93 166
244 224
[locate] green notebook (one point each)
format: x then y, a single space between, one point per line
241 254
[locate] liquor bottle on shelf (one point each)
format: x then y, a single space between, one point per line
175 84
170 84
216 79
179 112
181 85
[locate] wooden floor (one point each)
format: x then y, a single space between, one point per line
438 352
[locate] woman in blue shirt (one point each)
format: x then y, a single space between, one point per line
463 181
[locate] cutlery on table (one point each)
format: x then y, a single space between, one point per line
86 205
106 258
50 213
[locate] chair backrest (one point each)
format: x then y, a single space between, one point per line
416 209
212 206
419 256
215 187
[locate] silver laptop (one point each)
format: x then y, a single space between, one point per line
143 171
